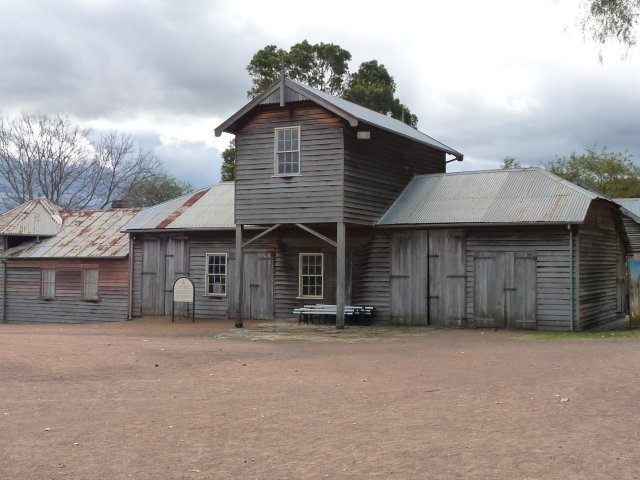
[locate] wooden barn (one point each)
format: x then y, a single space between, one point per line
64 266
336 204
505 248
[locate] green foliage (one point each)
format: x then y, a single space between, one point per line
373 87
509 163
613 173
157 189
228 169
323 66
611 20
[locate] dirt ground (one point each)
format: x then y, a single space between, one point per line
148 399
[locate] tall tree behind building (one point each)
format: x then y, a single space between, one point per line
613 173
324 66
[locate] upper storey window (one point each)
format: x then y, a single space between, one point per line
287 144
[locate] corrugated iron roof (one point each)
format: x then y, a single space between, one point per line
379 120
631 204
35 217
84 234
350 111
208 209
518 196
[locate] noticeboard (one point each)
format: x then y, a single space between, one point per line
183 290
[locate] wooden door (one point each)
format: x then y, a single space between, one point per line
447 278
520 290
152 294
400 278
505 289
257 293
176 264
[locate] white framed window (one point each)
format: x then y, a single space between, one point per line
48 282
216 278
90 283
311 275
287 151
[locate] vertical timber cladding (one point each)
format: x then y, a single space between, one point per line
257 294
505 289
428 277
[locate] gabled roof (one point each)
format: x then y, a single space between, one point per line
84 234
352 113
35 217
208 209
517 196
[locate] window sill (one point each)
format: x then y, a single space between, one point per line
215 295
288 175
48 299
91 300
309 298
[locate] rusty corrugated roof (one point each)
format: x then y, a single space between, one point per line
208 209
518 196
84 234
35 217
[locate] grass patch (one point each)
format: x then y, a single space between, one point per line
612 335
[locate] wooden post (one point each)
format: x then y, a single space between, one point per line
238 276
341 284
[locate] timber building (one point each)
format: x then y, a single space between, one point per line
336 204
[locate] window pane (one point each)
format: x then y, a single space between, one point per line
288 151
48 278
216 274
90 283
311 275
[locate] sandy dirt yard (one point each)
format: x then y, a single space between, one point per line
148 399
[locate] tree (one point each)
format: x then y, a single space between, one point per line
372 87
228 169
323 66
613 173
50 156
510 162
154 190
605 20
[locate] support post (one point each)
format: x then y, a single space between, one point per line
238 276
341 284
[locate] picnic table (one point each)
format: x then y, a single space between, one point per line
359 313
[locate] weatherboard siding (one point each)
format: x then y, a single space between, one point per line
551 248
316 195
599 253
378 169
24 304
633 232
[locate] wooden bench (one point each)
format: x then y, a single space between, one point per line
359 313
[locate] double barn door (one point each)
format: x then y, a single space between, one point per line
505 289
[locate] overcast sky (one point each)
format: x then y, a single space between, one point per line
490 79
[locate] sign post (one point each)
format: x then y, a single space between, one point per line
183 291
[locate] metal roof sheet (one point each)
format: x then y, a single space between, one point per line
631 204
517 196
211 208
343 108
84 234
35 217
379 120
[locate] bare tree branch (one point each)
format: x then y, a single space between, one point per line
50 156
